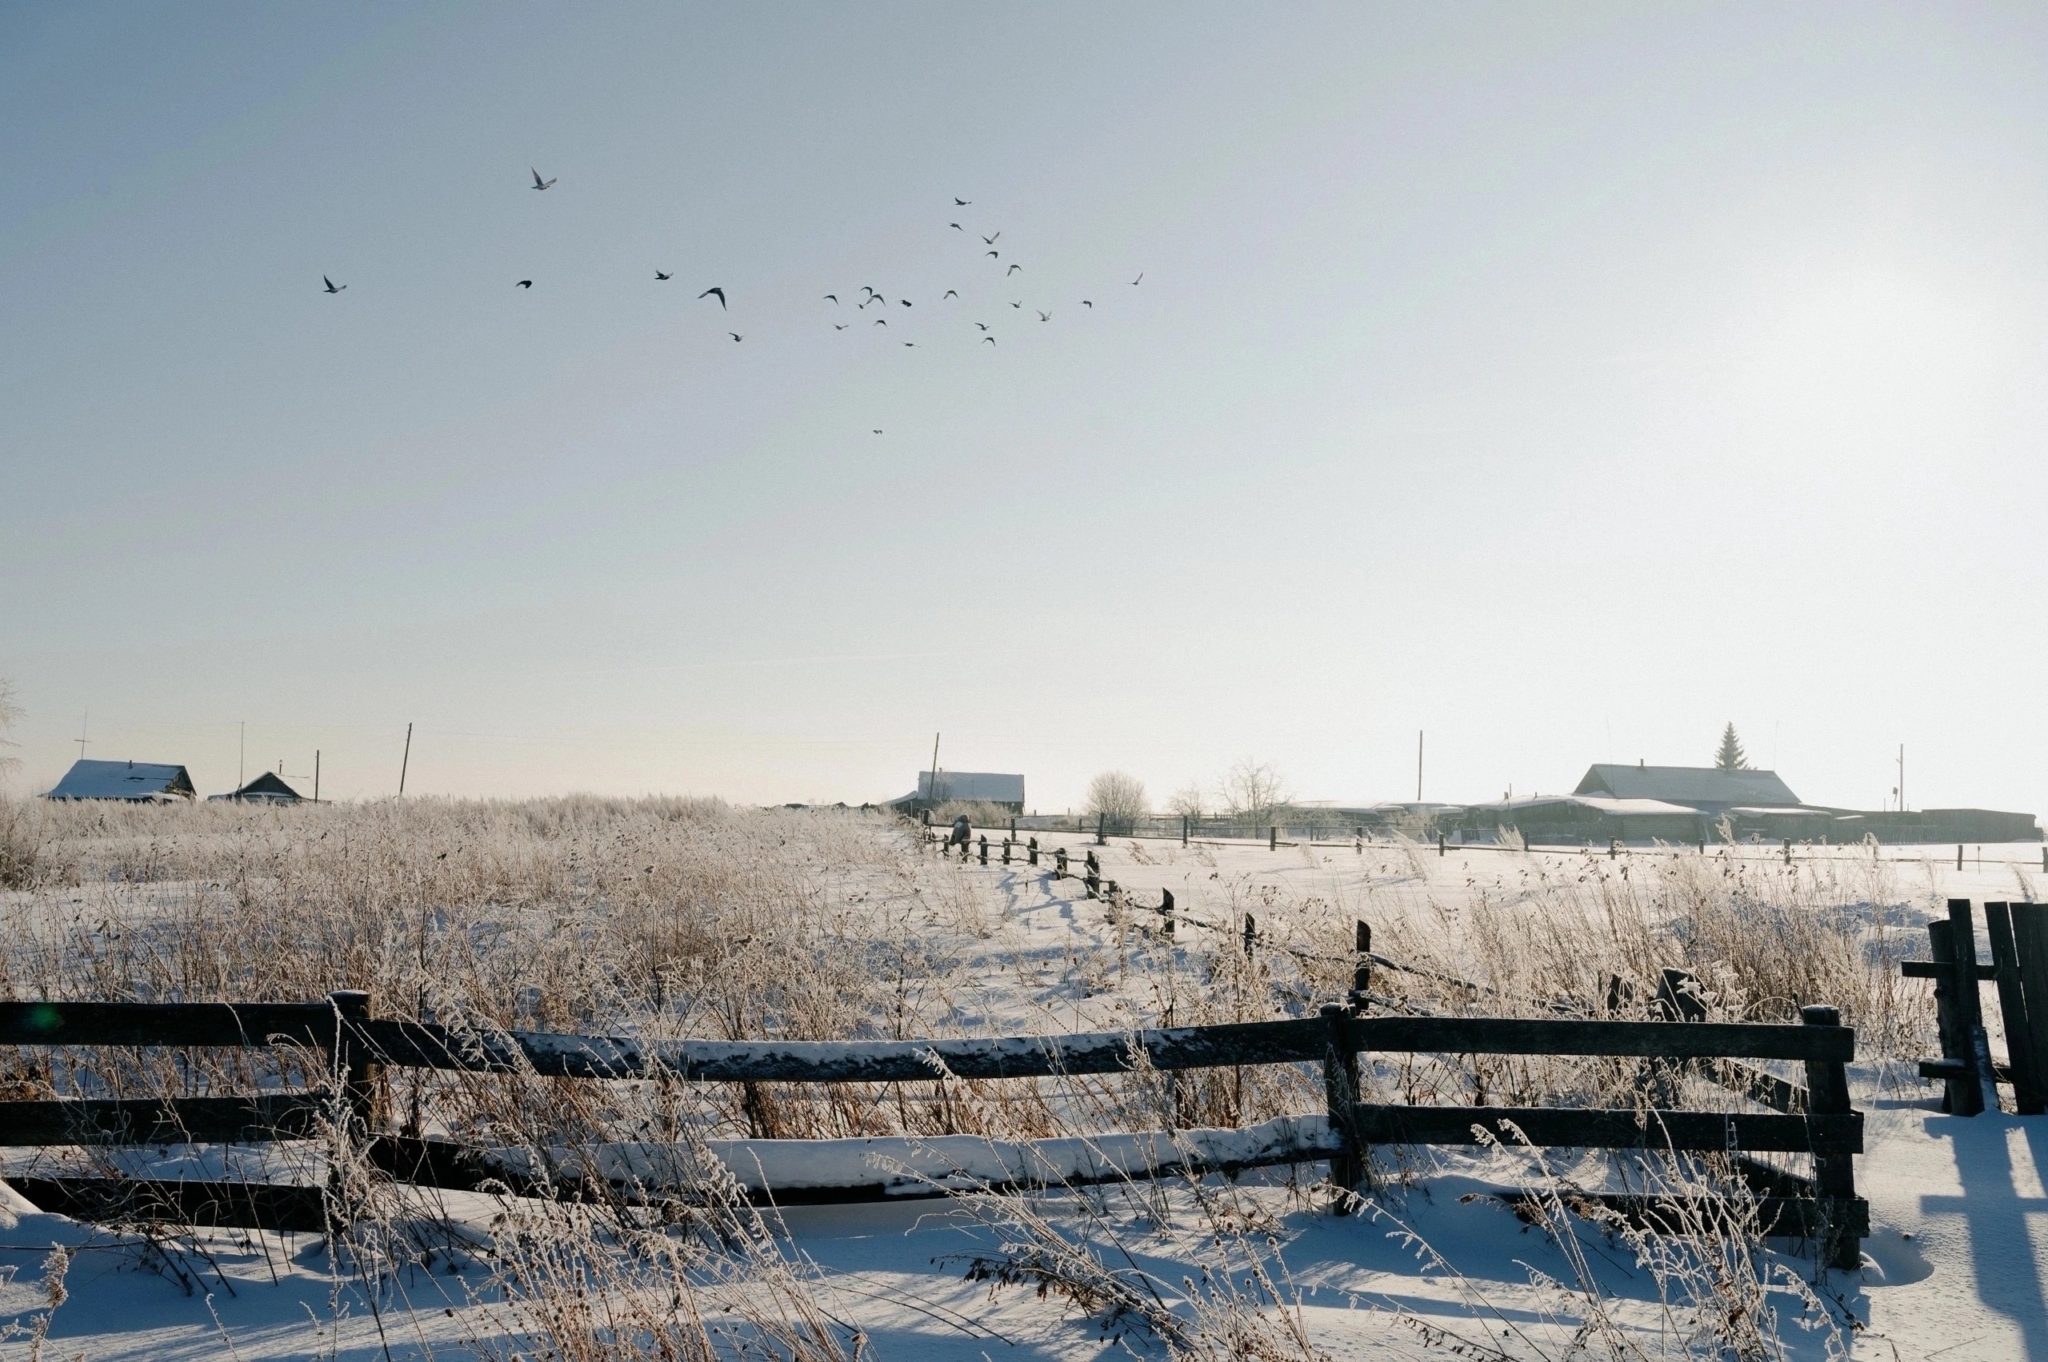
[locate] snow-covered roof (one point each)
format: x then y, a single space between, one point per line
1780 811
1597 803
1686 784
89 779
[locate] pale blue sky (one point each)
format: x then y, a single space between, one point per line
1564 381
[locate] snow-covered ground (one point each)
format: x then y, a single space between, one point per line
1956 1266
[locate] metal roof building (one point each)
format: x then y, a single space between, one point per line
142 781
1707 788
985 787
267 788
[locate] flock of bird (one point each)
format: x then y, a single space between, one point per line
871 297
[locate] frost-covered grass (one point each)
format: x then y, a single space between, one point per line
666 919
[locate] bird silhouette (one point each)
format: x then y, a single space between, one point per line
956 226
1045 316
994 255
721 298
881 321
878 432
991 240
539 183
910 345
990 339
1016 304
904 301
332 287
832 298
962 203
659 275
524 283
1012 270
982 325
735 336
1086 303
839 326
1139 280
951 293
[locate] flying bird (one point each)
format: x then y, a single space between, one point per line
721 298
878 432
991 240
839 326
1140 279
910 345
962 203
1016 304
990 339
524 283
1045 316
735 336
982 325
994 255
1086 303
956 226
539 183
332 287
881 321
1012 270
904 301
951 293
832 298
659 275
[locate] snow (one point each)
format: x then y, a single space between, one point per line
1956 1266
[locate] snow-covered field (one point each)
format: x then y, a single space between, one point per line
670 921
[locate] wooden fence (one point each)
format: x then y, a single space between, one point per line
1815 1120
1970 1075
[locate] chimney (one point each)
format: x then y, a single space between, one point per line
1639 763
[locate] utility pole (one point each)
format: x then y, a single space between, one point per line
1418 766
405 761
241 752
1902 777
80 739
931 792
316 775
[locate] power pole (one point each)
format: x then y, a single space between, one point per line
1902 777
316 775
405 761
1418 766
931 793
241 751
80 739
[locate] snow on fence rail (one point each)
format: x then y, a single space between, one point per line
1817 1120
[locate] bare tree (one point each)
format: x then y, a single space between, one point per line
1253 792
1189 802
1119 798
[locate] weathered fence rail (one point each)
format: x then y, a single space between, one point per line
354 1046
1967 1069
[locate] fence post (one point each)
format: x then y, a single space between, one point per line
1340 1096
1251 934
1101 823
1184 840
1013 829
1361 965
2024 1063
1440 844
355 1083
1961 1095
984 848
1959 855
1834 1164
1093 879
1166 911
1273 837
1970 1000
1059 858
1031 851
1006 851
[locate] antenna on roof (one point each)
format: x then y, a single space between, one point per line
80 739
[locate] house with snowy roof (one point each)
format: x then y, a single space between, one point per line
1002 789
134 781
267 788
1708 789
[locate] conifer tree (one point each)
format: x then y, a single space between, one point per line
1731 756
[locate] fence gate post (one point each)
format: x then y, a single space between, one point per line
2023 1059
1834 1162
1361 964
984 848
1101 825
1031 851
355 1082
1006 851
1970 1000
1961 1095
1184 840
1340 1096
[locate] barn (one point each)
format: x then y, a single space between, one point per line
268 788
1002 789
141 782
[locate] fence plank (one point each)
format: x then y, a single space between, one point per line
246 1205
1566 1036
2030 947
1608 1128
1834 1168
148 1120
226 1024
2012 1011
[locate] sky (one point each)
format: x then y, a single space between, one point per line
1562 382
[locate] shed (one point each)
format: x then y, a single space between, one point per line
267 788
1003 789
137 781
